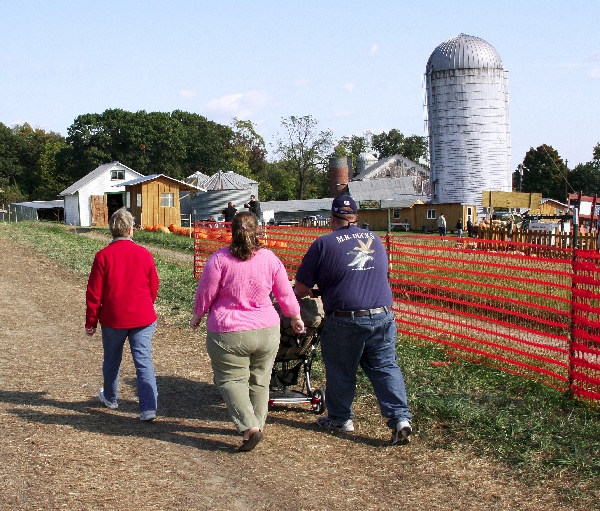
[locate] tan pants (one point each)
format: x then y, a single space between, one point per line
242 363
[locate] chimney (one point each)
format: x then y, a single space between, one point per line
340 170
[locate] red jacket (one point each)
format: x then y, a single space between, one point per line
122 287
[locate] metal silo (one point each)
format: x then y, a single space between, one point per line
364 160
467 117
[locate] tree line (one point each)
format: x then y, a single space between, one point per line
544 171
37 165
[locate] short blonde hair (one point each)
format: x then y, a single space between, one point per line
120 222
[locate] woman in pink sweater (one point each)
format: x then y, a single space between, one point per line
243 326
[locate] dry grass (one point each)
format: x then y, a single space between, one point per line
61 450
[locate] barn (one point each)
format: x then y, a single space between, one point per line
154 200
91 200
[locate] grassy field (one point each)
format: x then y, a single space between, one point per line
537 431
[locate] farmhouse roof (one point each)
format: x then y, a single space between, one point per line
97 172
142 179
227 181
543 201
399 188
375 169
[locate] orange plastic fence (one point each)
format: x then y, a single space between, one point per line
585 345
518 307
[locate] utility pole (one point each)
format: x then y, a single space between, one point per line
567 181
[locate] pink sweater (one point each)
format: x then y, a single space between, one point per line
237 292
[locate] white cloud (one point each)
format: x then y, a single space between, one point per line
595 72
187 94
241 105
374 49
595 56
302 82
349 86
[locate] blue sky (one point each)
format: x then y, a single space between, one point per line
354 66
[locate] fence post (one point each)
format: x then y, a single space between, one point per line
571 319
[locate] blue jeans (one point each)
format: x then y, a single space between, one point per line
368 341
140 342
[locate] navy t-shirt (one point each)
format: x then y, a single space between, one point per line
350 267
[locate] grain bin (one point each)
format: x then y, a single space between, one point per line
467 118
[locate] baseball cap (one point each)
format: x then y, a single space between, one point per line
344 201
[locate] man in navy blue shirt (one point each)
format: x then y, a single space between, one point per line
349 266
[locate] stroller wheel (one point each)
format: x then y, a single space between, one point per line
318 401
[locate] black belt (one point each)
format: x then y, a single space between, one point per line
358 314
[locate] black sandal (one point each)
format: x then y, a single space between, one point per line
252 442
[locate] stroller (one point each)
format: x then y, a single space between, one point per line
295 354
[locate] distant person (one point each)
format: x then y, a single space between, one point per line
254 206
459 228
441 223
243 325
121 291
469 227
229 212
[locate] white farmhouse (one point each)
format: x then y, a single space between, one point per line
96 196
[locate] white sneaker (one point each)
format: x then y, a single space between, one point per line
401 433
346 426
113 405
148 415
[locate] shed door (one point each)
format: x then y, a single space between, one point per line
99 210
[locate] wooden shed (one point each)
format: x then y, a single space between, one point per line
154 200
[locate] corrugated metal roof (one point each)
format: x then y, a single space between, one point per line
143 179
42 204
292 206
464 52
227 181
383 189
88 178
197 179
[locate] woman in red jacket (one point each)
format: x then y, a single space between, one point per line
121 291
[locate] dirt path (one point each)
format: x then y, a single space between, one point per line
61 450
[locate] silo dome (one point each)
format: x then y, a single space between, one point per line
467 118
464 52
364 161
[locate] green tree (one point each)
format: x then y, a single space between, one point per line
248 151
303 151
176 144
388 144
52 182
585 177
543 171
11 169
352 146
278 184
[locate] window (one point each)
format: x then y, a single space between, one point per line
138 200
431 214
117 174
470 212
396 214
167 200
